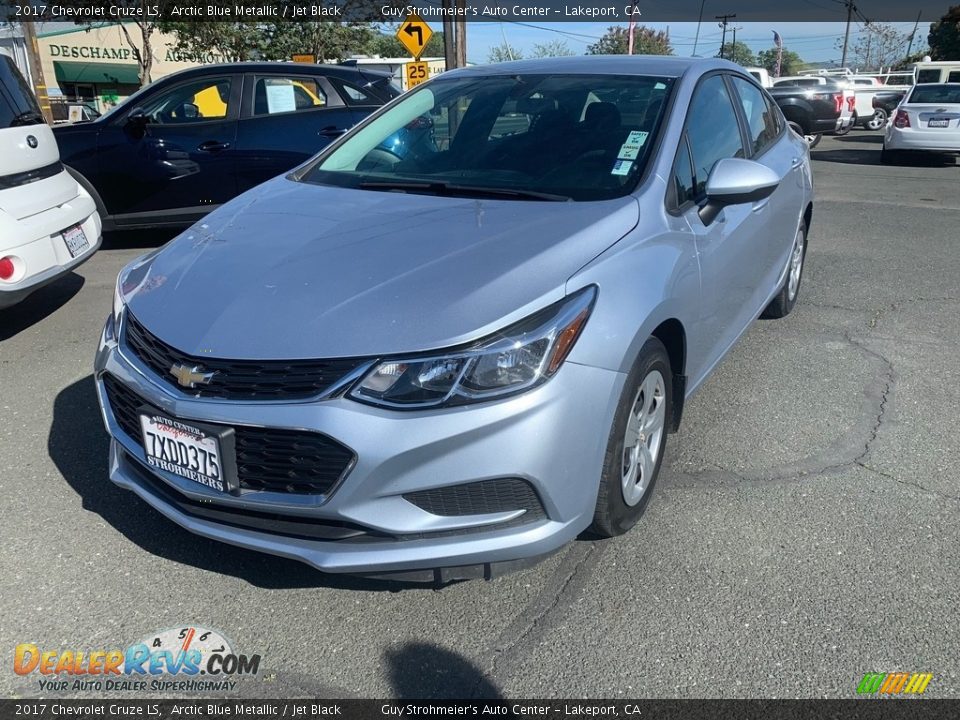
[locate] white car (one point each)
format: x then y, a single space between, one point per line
928 119
48 223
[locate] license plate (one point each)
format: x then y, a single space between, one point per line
76 240
183 449
938 122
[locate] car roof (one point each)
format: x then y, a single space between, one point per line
659 65
343 71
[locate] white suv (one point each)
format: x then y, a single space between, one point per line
48 223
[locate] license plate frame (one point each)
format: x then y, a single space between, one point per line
938 123
189 433
76 240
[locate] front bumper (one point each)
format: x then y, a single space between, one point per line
553 437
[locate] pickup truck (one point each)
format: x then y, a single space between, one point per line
814 110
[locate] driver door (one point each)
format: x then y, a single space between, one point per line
179 164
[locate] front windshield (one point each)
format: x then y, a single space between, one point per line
553 137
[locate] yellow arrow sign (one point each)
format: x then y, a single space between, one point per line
414 35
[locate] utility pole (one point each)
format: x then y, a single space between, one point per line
724 20
846 35
733 52
461 30
696 38
36 69
915 26
454 33
449 51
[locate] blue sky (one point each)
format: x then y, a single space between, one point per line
814 41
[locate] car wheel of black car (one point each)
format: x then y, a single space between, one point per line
786 297
877 120
636 443
812 140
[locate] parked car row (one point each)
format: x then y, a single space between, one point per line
926 120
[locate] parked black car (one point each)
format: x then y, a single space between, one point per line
181 146
812 111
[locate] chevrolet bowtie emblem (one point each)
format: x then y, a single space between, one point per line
191 376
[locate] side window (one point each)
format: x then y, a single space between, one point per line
954 76
762 128
713 130
206 99
775 115
928 76
683 185
275 95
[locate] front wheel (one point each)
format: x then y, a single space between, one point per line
636 443
786 297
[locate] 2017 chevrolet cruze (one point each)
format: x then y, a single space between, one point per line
445 360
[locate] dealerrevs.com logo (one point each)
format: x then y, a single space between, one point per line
184 659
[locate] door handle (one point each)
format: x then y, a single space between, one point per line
331 131
760 205
213 146
796 163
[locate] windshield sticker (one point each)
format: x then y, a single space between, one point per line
628 152
636 138
621 167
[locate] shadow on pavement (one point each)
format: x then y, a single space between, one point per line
872 138
39 305
424 670
858 156
78 446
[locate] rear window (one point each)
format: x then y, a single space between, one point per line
936 94
18 106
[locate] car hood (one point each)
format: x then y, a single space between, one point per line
293 270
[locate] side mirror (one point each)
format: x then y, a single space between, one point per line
735 181
137 121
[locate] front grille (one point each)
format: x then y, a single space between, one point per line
481 498
237 379
273 459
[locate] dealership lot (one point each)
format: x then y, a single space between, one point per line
804 530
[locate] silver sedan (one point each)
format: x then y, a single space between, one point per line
460 336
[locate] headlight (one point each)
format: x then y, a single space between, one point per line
516 359
130 280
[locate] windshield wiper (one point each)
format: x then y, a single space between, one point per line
27 118
442 188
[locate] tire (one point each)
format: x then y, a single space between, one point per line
625 492
877 121
812 140
786 297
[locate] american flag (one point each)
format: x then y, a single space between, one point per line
778 41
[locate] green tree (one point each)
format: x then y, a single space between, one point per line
645 42
738 52
553 48
238 41
387 45
503 52
790 64
944 37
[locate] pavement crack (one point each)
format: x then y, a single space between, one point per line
515 636
889 381
914 485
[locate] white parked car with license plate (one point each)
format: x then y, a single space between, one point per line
927 120
48 223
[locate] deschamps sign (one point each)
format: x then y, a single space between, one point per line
93 52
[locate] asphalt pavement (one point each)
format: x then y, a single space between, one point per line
804 530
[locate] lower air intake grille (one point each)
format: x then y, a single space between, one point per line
481 498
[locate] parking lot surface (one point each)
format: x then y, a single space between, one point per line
804 530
